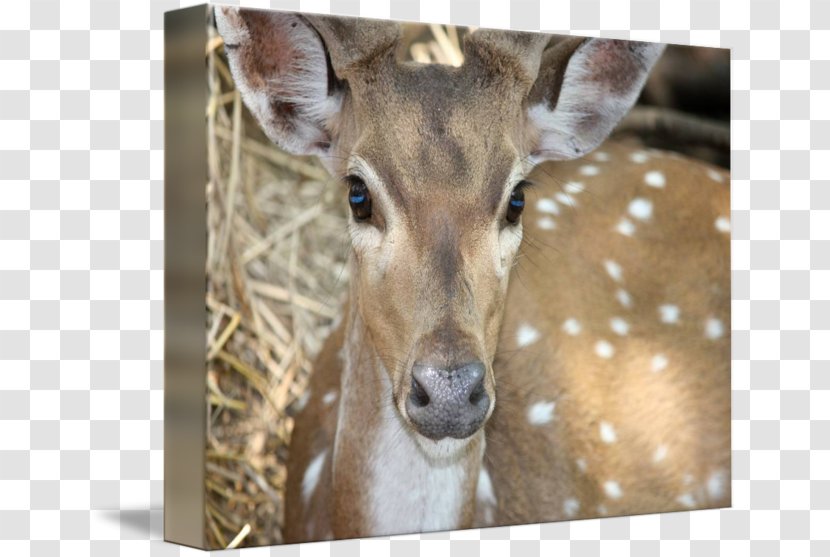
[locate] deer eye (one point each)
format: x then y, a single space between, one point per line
359 199
517 203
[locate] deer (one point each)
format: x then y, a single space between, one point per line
537 323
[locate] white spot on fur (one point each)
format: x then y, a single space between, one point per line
655 179
716 484
687 500
624 298
312 476
589 170
486 496
303 400
722 224
688 479
572 326
581 464
565 199
526 335
329 397
625 227
669 313
574 188
612 489
660 453
659 362
547 205
607 433
638 157
546 223
614 270
601 510
604 349
716 176
540 413
714 328
619 326
570 507
601 156
640 208
484 489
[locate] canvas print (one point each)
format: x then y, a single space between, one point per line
457 278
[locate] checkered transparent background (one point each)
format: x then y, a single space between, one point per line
81 284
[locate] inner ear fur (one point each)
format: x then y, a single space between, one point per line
575 89
292 70
281 68
584 88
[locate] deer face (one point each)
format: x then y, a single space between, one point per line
436 201
432 160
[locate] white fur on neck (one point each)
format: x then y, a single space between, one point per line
408 489
413 484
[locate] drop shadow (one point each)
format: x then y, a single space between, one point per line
137 524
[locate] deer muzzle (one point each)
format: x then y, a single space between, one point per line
448 402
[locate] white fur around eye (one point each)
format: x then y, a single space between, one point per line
366 239
510 237
371 244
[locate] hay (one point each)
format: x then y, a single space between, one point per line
276 280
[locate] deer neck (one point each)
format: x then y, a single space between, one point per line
387 480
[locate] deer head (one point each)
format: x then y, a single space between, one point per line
432 160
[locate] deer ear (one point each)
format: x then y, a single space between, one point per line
584 88
281 68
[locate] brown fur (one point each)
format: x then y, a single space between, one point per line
677 257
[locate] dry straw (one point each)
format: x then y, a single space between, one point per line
276 280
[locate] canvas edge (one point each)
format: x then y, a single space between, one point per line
185 253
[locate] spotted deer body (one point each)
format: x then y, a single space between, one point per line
520 344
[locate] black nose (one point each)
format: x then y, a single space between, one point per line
448 403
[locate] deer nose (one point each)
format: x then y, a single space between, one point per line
448 402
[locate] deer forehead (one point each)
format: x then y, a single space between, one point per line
438 93
431 125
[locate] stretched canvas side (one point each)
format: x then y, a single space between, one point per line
185 167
